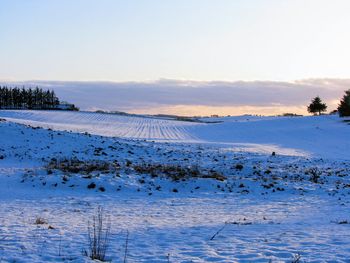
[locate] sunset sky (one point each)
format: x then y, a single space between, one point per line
198 40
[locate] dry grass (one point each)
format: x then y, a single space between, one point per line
177 172
98 236
171 171
83 167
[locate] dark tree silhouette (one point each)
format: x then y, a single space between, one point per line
344 106
15 98
317 106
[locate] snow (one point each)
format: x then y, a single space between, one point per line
318 136
271 208
103 124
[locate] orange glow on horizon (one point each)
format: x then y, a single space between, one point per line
201 110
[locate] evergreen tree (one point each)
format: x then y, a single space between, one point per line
344 106
15 98
317 106
23 98
2 101
29 98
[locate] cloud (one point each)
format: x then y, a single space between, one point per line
179 96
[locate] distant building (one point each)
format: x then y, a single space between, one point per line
66 106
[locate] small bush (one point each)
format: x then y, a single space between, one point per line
315 175
98 236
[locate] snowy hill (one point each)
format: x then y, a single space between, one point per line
104 124
323 136
189 197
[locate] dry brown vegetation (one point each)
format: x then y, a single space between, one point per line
98 236
83 167
177 172
170 171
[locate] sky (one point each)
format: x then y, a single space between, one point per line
138 40
184 40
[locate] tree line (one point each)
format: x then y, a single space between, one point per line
317 106
37 98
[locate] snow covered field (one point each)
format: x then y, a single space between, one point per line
185 192
104 124
325 136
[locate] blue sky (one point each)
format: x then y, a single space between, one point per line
139 40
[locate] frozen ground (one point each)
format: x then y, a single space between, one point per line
104 124
309 136
171 195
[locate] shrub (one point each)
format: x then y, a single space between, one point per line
315 175
98 236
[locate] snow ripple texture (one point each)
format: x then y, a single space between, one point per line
131 127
